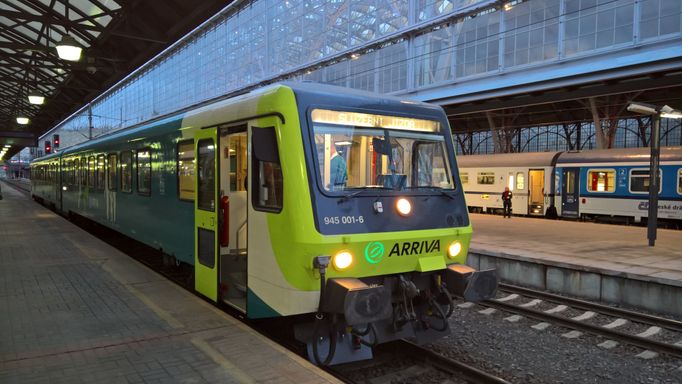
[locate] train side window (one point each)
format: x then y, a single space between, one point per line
126 171
84 172
464 177
91 171
112 165
679 181
520 180
69 173
267 183
185 169
487 178
76 171
100 175
206 175
639 180
601 180
144 172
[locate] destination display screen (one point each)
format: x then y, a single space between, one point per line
357 119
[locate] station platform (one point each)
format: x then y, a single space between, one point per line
73 309
604 262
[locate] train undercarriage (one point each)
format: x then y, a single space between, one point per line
357 314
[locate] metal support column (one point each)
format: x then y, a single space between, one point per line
655 145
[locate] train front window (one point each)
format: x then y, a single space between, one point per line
375 151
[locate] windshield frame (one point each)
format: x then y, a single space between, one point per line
373 191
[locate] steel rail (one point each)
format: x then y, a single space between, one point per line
639 341
662 322
451 366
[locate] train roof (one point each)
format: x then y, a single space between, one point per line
308 92
325 95
541 159
620 155
531 159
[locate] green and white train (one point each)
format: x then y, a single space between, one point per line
295 199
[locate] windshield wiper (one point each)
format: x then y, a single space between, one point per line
360 190
437 189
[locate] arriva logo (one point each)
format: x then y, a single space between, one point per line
374 252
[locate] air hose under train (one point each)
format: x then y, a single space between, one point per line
321 263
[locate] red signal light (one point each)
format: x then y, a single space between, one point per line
48 148
55 140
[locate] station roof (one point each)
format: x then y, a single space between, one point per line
565 104
118 36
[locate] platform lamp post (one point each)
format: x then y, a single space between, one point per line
655 144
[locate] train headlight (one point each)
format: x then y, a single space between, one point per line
403 206
454 249
342 260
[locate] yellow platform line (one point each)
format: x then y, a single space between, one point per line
160 312
219 358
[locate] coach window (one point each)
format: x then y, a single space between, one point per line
186 170
91 171
601 180
267 180
69 173
679 181
126 171
101 176
144 172
112 163
464 177
486 178
520 180
70 178
76 170
639 180
84 172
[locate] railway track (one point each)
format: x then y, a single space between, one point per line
405 362
525 302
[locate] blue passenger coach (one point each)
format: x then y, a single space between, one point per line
612 182
615 183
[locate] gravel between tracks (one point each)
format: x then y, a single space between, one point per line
520 354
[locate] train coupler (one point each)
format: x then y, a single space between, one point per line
472 285
358 302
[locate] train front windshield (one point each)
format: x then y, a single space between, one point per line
359 151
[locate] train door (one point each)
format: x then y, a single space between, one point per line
234 223
570 193
206 214
536 192
265 199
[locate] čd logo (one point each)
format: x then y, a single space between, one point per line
374 252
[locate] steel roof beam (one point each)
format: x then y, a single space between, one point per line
44 18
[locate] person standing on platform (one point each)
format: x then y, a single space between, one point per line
507 202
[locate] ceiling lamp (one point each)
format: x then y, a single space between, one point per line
69 49
36 98
22 120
